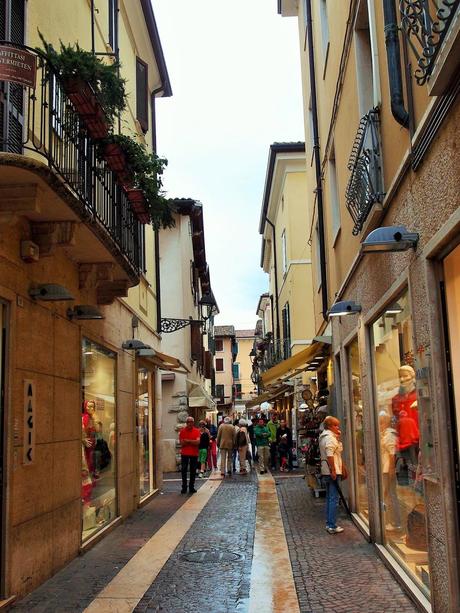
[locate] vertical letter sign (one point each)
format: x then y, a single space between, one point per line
29 422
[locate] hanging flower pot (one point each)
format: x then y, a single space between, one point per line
87 106
115 158
138 205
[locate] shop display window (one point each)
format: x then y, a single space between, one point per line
400 466
98 488
144 423
359 458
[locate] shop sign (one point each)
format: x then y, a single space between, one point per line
29 422
18 66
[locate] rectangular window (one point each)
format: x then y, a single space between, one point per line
219 364
238 393
284 251
236 371
286 319
220 392
219 344
402 501
142 94
357 426
324 22
98 483
334 194
363 54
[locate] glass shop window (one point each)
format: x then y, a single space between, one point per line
359 457
98 449
400 459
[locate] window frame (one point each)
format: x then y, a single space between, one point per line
142 97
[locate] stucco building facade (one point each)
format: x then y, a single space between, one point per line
382 129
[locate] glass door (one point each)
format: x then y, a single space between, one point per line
3 339
145 430
357 432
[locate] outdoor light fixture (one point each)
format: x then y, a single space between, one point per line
303 407
394 309
50 291
134 344
146 353
389 238
84 311
345 307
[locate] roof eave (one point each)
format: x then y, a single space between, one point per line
157 48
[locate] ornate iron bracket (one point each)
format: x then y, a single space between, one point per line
170 324
425 24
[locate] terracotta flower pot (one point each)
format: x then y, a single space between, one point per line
138 205
115 158
87 106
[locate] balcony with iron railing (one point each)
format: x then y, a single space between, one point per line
365 185
270 352
45 145
432 31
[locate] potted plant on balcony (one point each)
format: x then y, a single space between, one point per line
95 88
141 178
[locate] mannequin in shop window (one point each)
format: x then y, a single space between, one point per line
405 412
88 439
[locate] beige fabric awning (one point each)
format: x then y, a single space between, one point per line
293 365
166 362
268 396
198 397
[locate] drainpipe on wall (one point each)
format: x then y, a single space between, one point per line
278 336
158 278
394 63
317 154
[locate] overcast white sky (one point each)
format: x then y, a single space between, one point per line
235 76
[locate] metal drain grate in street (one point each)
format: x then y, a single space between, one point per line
207 556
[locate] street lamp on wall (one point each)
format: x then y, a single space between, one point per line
389 239
344 307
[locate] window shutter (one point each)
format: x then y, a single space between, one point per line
142 100
195 340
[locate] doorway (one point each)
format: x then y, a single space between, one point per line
3 368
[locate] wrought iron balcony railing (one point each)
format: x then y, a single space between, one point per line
44 122
425 24
365 186
274 352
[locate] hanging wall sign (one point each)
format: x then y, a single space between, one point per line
18 66
29 421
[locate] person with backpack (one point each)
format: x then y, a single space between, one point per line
242 444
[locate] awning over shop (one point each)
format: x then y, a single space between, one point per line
198 397
268 396
167 362
293 365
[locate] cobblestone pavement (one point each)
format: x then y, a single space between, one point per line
73 588
334 573
217 580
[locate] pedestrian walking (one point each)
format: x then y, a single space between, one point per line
203 447
285 431
262 435
333 469
242 442
189 439
273 425
252 437
212 455
226 436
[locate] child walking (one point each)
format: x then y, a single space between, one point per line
203 447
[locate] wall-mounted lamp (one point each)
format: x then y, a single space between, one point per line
303 407
84 311
134 344
394 309
148 352
389 238
50 291
345 307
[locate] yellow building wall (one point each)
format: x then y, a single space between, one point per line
245 346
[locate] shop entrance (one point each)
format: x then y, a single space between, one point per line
3 339
450 293
145 426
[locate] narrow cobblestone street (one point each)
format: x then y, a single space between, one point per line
210 568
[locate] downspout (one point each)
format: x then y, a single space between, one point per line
394 63
276 279
317 154
158 278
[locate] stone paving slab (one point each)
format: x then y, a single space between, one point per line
210 570
338 573
73 588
